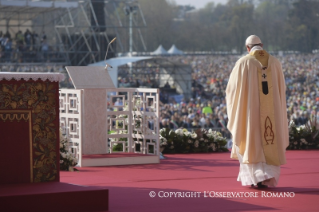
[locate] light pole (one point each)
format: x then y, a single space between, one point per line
130 10
131 33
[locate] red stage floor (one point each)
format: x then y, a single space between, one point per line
130 186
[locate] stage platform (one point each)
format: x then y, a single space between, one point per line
115 159
130 186
52 196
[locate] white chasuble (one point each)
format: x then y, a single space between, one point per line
256 108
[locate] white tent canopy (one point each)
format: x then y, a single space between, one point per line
177 74
159 51
174 50
115 63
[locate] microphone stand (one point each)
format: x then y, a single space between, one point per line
107 49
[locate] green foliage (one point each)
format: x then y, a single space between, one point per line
67 158
117 148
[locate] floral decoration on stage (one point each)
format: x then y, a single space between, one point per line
305 136
67 158
183 141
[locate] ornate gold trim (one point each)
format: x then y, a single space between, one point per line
19 115
14 116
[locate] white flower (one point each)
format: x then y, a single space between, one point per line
194 135
163 144
210 135
67 157
186 133
201 139
163 139
179 132
66 145
162 130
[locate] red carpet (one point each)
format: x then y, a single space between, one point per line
129 186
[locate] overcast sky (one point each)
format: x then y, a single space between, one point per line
199 3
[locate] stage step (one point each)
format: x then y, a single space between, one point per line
52 196
116 159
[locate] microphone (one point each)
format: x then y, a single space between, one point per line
107 49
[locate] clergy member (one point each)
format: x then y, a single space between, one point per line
256 107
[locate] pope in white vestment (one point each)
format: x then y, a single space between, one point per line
256 108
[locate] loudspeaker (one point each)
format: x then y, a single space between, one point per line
98 8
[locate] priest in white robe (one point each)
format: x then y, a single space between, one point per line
256 108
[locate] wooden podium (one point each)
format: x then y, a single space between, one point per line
29 127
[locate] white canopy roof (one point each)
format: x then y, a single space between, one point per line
159 51
115 63
174 50
119 61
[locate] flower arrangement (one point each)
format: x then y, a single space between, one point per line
303 137
67 158
183 141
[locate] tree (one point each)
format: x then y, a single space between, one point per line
159 16
240 21
303 25
270 17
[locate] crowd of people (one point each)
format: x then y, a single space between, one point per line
206 107
24 47
210 78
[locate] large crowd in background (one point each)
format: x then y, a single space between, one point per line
206 108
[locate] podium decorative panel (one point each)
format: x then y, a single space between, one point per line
40 100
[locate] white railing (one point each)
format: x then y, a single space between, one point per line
132 120
70 101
